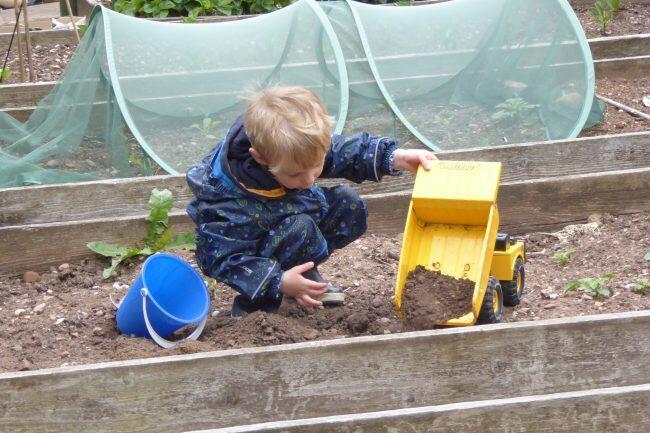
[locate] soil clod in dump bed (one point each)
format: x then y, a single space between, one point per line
430 297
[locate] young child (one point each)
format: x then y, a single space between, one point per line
262 224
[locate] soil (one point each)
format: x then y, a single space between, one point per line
632 19
431 297
627 92
48 62
66 317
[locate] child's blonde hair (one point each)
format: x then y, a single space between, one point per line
288 125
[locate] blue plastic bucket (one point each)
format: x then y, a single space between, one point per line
167 295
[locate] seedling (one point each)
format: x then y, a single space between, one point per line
5 74
516 109
641 287
207 127
160 237
602 15
616 5
563 257
647 256
597 286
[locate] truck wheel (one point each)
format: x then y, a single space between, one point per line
513 290
492 303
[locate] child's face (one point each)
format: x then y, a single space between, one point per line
292 176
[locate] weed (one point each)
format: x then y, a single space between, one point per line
616 5
5 74
159 237
602 15
563 257
207 127
641 287
597 286
516 109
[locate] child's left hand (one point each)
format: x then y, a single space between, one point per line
410 159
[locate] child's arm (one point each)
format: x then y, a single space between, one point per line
365 157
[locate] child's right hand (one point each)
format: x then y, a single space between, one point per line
296 286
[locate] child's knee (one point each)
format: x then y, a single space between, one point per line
349 198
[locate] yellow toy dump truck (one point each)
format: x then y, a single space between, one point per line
452 227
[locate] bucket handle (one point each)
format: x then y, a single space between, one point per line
157 338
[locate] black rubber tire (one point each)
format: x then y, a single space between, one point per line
513 291
493 298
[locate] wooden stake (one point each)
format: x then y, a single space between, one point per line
19 45
74 24
28 40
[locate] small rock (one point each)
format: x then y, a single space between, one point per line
19 311
52 317
268 330
586 297
49 291
392 255
84 314
119 286
99 313
550 306
52 163
523 310
599 304
377 301
65 354
96 287
98 331
386 331
595 218
64 274
64 266
548 294
384 320
17 348
311 335
26 365
39 308
356 284
230 343
59 320
74 334
31 277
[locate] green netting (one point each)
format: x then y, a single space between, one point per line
460 74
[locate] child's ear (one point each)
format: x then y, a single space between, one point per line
257 157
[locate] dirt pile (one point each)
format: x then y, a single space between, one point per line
431 297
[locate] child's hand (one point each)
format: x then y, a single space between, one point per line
410 159
296 286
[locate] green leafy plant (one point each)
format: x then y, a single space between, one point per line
564 256
597 286
207 127
194 8
641 287
5 74
616 5
602 15
516 109
159 237
647 256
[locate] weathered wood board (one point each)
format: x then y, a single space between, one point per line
124 197
540 204
307 380
619 409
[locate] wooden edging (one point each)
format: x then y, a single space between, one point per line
325 378
539 204
124 197
625 409
613 55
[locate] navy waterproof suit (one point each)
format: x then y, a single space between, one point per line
250 229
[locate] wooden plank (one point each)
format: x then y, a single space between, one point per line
124 197
630 68
620 46
618 409
356 375
44 37
540 204
24 94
